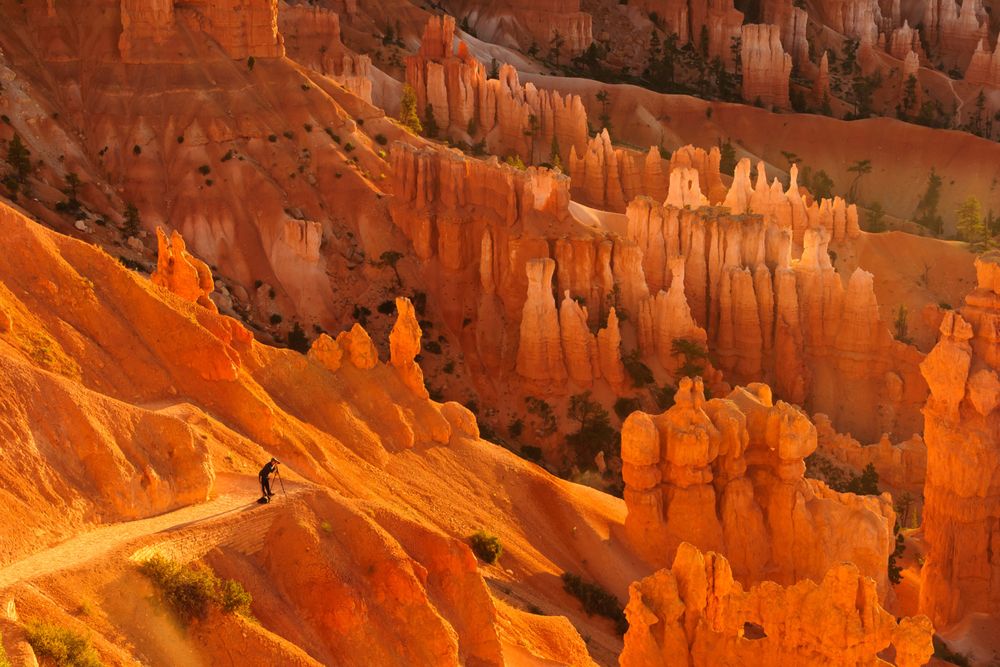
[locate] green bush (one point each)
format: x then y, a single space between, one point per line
626 406
595 600
63 647
381 139
189 590
639 372
944 652
487 547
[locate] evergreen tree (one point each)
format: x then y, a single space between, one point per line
554 158
408 111
430 123
927 213
969 221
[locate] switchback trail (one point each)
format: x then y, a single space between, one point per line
231 514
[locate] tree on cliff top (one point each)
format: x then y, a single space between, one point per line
408 111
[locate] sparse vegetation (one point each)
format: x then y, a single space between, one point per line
625 406
595 433
927 208
543 411
694 355
63 647
900 326
487 547
297 339
595 600
944 652
969 221
132 223
190 590
639 372
408 111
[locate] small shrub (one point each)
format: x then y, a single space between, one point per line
137 150
348 147
361 314
228 156
204 170
487 547
515 428
251 61
297 339
449 367
288 134
944 652
381 140
272 138
626 406
275 319
664 396
63 647
419 300
433 347
180 139
387 307
639 372
189 590
595 600
307 127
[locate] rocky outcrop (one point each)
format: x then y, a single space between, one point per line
697 614
707 164
902 467
404 346
242 28
821 85
955 30
961 423
182 273
766 66
903 40
720 22
606 177
509 118
521 23
984 67
312 37
727 475
858 19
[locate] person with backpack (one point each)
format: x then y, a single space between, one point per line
270 468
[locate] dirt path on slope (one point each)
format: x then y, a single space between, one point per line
236 497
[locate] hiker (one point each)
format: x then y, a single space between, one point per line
270 468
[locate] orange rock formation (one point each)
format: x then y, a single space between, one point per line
509 117
766 66
241 27
727 475
962 493
697 614
902 466
181 272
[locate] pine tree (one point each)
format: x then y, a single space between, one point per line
408 111
554 158
430 123
969 221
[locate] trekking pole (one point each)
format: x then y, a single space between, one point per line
282 482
